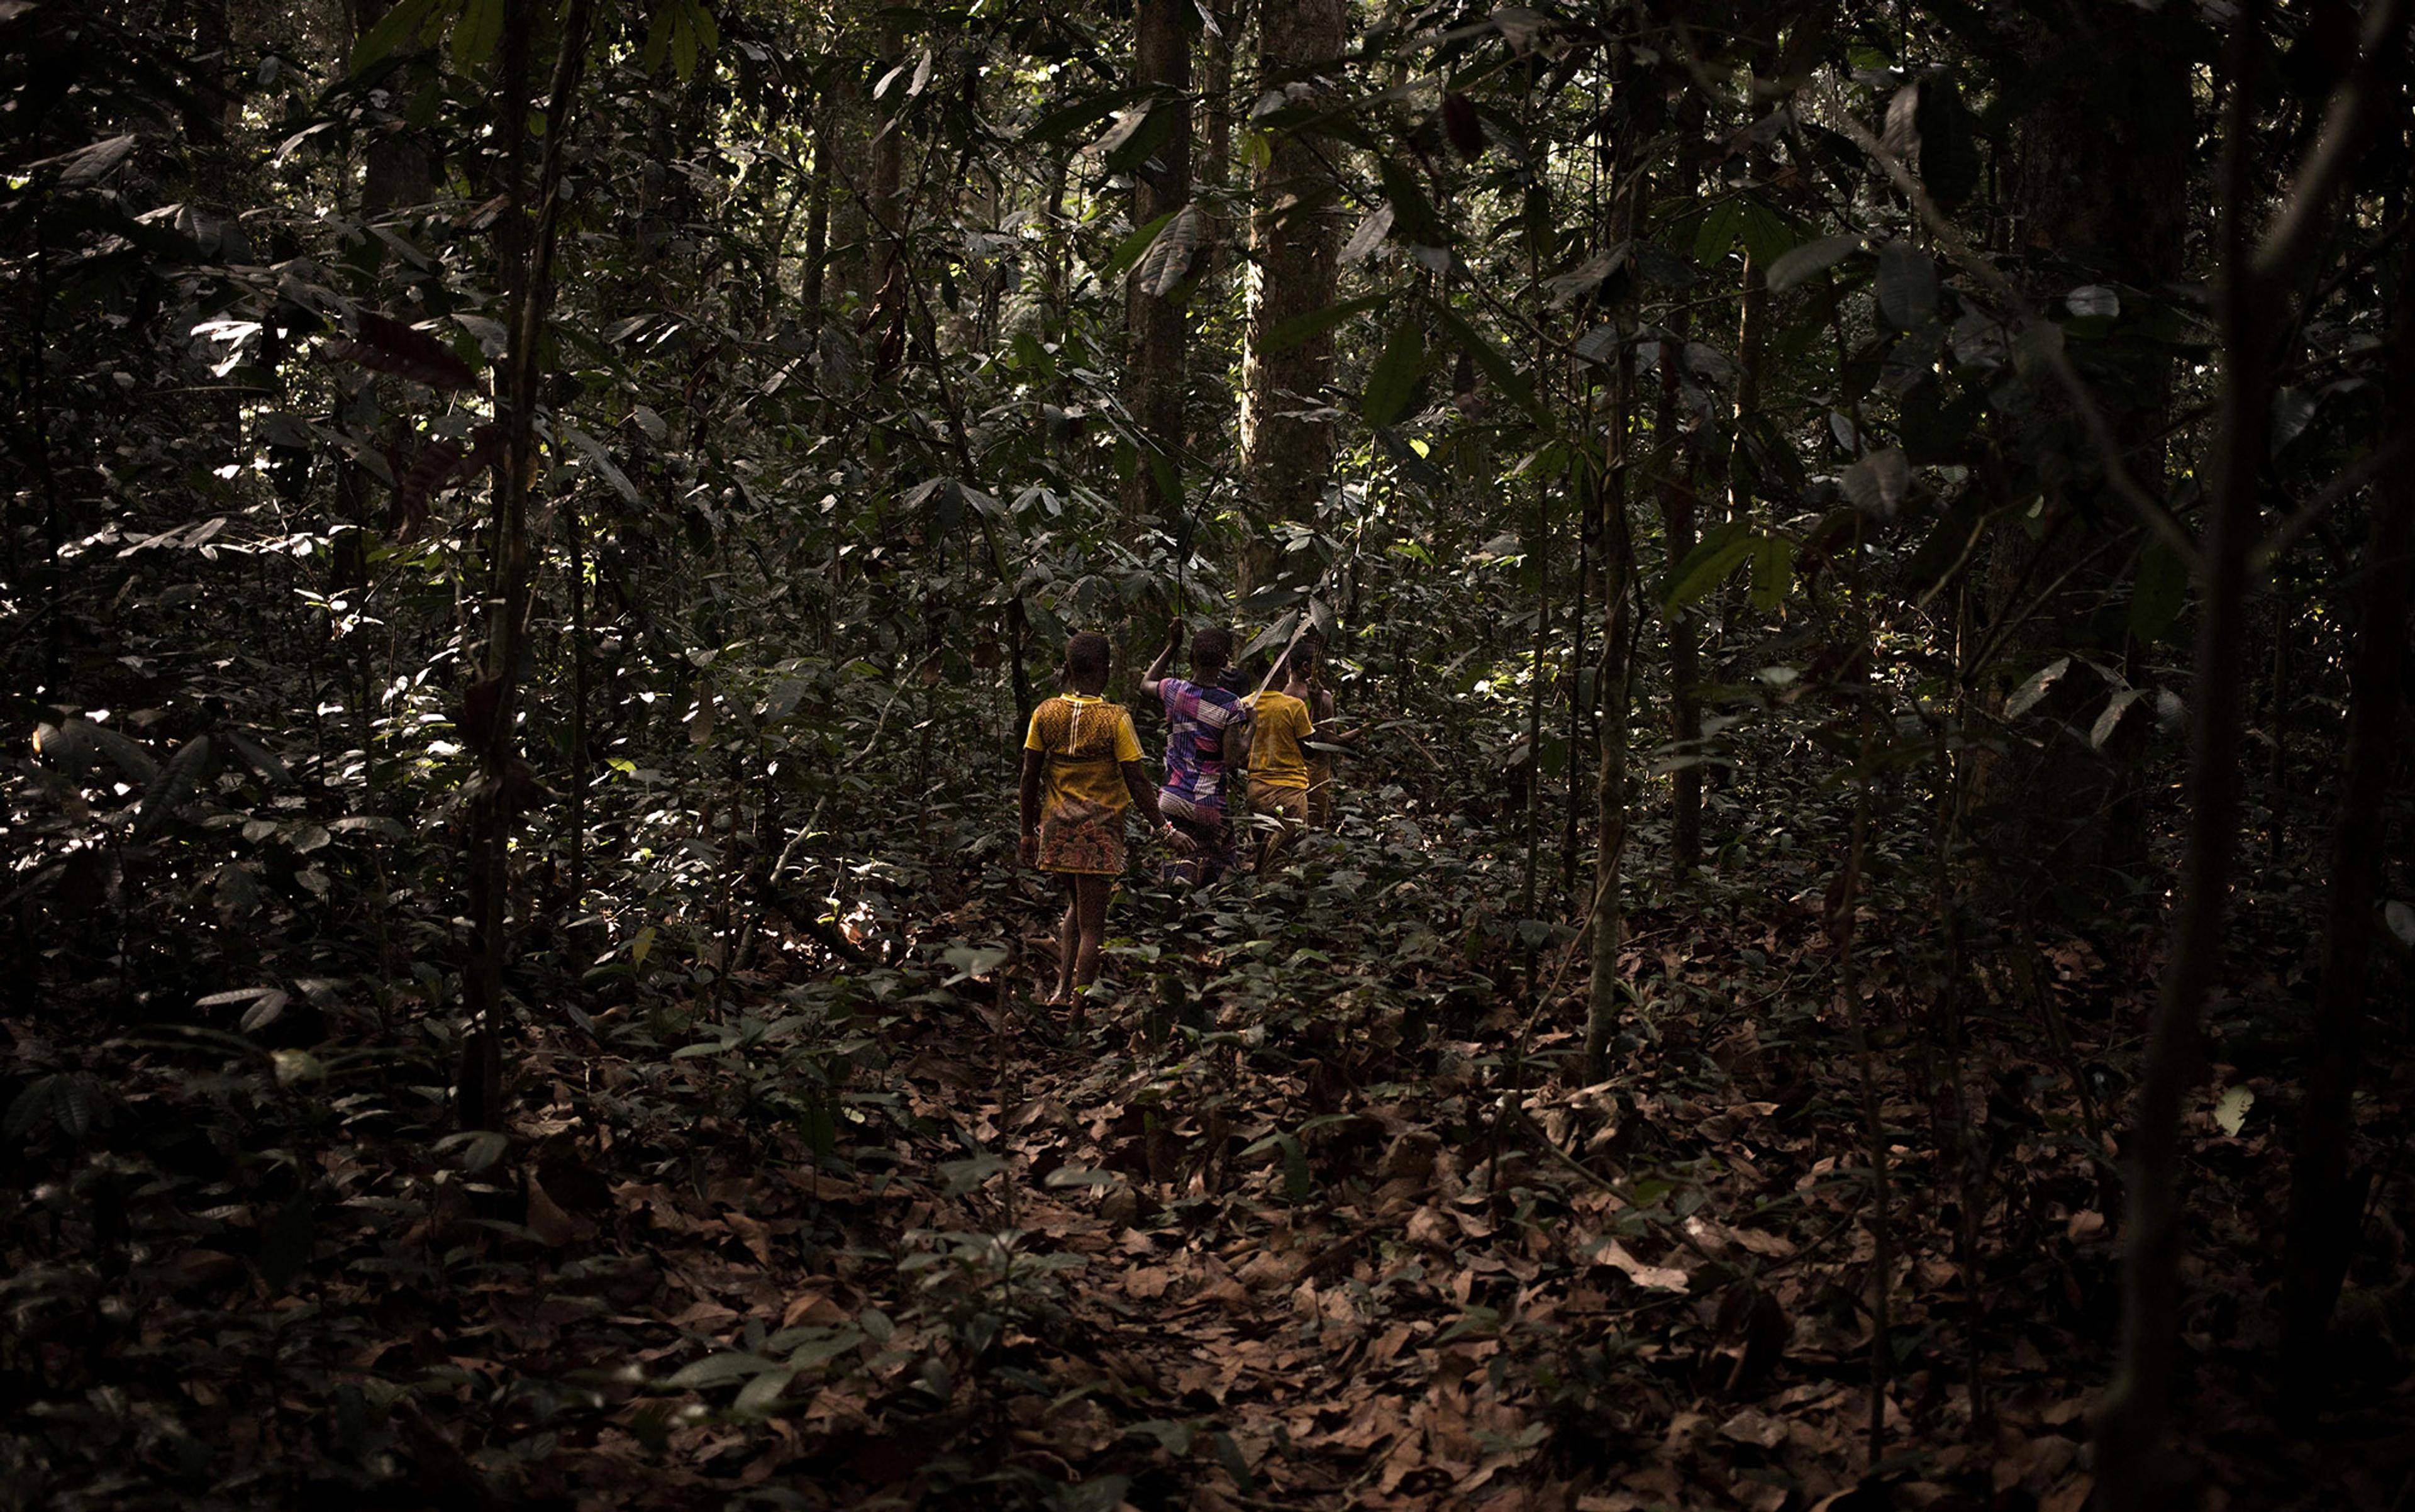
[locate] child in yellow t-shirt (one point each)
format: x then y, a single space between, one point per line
1083 751
1307 685
1280 724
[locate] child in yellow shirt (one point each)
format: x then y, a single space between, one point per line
1280 725
1081 770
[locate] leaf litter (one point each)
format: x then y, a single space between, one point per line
1294 1224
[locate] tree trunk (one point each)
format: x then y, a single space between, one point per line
1157 291
398 170
524 252
2101 188
818 211
2323 1198
1612 679
1685 662
1216 95
1287 453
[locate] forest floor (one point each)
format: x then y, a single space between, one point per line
1312 1217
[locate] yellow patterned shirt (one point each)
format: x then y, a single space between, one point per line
1086 739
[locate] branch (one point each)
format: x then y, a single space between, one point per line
2152 514
2351 479
2354 107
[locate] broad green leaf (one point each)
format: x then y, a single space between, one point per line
1722 224
2156 598
1080 115
1301 329
599 462
1129 250
1497 367
762 1394
1395 375
1719 553
2029 694
175 784
1413 215
719 1370
477 33
1167 262
1907 285
395 27
1368 236
2401 920
2230 1113
1880 483
1773 571
684 41
1811 258
2111 718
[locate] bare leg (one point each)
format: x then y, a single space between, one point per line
1090 902
1068 939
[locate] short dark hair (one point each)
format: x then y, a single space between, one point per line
1086 656
1213 647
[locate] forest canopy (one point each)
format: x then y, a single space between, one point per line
1845 570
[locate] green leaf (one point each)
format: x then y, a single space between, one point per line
1167 262
1765 234
1298 1185
1272 638
599 462
2028 696
1139 137
763 1393
1302 329
2159 595
719 1370
1706 567
658 39
2401 920
684 48
1368 236
1080 115
175 784
1773 571
1811 258
1129 250
1907 285
1503 374
1880 483
2111 718
1414 221
479 1147
1722 224
477 33
394 29
1395 375
974 961
2230 1113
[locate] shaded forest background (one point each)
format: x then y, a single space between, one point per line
1864 958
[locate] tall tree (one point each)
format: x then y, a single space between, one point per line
1156 376
1287 445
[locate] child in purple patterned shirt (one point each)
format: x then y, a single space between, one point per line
1207 738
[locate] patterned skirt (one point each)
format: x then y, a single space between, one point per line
1085 839
1212 839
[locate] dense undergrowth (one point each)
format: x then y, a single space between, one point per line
1311 1214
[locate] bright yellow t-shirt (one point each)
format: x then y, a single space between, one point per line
1086 740
1279 723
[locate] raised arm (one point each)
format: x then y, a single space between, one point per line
1151 678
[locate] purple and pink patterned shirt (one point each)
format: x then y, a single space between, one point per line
1196 718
